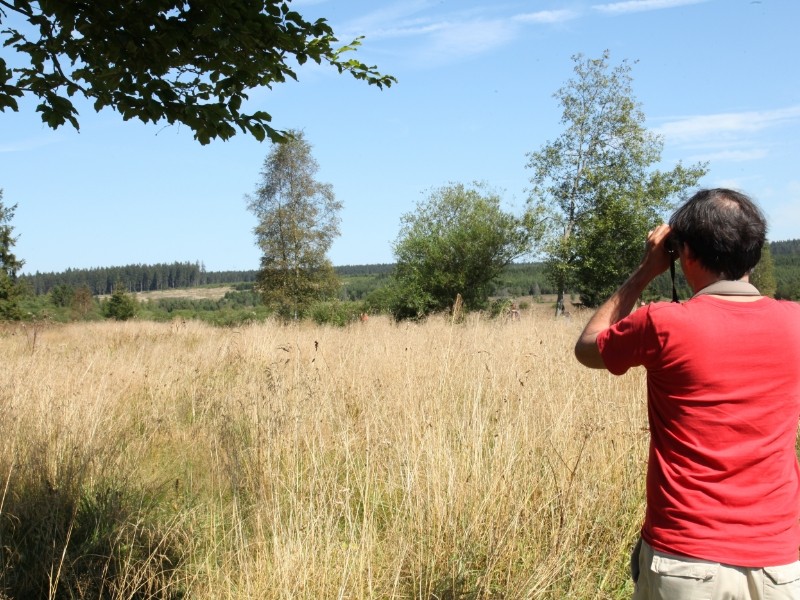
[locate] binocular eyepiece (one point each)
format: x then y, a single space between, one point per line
671 245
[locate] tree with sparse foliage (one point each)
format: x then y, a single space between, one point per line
9 265
191 61
82 302
456 242
596 182
298 220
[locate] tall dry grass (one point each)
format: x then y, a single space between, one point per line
433 460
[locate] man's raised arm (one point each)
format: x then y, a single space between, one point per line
656 260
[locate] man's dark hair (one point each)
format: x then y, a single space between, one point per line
724 229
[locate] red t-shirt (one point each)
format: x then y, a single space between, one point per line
723 388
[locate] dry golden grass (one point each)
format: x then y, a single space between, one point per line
377 461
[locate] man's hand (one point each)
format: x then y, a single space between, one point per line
656 256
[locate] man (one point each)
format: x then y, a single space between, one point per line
723 399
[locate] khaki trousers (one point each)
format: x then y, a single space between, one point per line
664 576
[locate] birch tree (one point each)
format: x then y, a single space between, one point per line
298 220
596 182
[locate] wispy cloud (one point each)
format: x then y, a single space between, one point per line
400 19
439 36
470 38
436 38
692 128
630 6
545 17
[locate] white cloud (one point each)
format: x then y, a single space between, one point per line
642 5
470 38
547 16
440 37
395 20
699 127
407 29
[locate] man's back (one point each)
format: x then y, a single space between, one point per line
723 405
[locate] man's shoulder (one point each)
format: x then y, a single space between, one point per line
786 311
788 305
660 308
662 305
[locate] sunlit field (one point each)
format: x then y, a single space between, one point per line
429 461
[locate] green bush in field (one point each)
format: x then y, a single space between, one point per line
121 306
235 317
379 300
499 307
455 244
335 312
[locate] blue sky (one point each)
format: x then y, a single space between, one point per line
718 79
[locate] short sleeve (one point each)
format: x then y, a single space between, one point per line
627 343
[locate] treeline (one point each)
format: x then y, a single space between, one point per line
358 281
135 278
517 279
784 248
149 278
786 258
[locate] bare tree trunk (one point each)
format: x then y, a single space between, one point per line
560 302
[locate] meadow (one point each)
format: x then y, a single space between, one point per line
426 461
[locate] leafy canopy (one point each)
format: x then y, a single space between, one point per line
298 220
597 183
179 61
457 242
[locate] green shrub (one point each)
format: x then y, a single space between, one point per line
499 307
234 317
409 301
121 306
335 312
